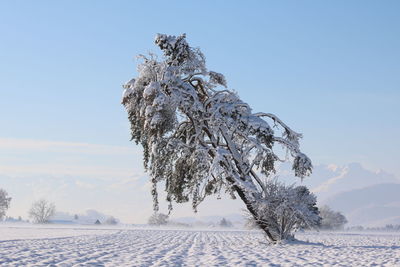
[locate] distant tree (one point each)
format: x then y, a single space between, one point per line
201 138
158 219
225 223
41 211
97 222
76 217
331 220
111 221
4 203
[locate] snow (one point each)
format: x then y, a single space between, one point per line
25 245
20 231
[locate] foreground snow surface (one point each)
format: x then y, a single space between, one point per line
101 246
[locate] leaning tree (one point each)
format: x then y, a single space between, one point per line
200 139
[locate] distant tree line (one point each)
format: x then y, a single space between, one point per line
386 228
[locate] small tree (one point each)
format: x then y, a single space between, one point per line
158 219
111 221
331 220
4 203
41 211
225 223
76 217
200 139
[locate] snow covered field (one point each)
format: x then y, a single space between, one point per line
53 245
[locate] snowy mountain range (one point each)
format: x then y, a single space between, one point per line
375 205
365 197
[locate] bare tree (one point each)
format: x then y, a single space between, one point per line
200 139
41 211
4 203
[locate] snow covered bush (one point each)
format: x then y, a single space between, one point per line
158 219
331 220
199 137
4 203
41 211
285 209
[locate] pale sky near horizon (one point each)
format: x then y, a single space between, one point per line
331 70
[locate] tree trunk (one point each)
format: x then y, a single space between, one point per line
253 212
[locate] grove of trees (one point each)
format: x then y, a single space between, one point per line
200 138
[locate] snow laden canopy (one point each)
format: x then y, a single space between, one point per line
201 138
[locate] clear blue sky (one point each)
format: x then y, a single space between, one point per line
330 69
